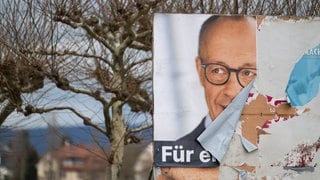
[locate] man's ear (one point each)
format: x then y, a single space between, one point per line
200 70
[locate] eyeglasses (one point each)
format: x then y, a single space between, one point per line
219 74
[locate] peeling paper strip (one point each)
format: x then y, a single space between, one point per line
217 136
248 145
244 171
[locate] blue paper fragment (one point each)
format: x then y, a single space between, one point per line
304 80
217 136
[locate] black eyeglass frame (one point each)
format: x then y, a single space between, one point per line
205 65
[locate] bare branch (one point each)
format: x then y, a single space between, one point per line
68 53
129 25
139 129
87 28
139 62
139 46
86 121
143 34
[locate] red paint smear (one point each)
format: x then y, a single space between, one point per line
269 98
278 102
266 124
305 152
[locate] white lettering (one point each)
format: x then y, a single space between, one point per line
177 153
165 153
313 52
189 153
204 156
178 157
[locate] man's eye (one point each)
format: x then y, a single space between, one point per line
247 72
217 71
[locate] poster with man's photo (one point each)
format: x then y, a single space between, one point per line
236 97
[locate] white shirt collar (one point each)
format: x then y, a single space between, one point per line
207 121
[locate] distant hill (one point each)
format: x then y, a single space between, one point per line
77 135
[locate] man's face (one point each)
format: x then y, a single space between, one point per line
231 43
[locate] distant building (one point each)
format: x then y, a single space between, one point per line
72 162
137 162
143 164
5 173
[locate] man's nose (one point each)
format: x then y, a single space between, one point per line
232 87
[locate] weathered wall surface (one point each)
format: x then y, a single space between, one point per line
291 147
288 138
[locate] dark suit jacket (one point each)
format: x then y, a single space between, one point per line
184 152
190 141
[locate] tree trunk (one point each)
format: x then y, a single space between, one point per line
6 111
118 131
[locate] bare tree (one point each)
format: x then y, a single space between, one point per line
19 74
99 50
